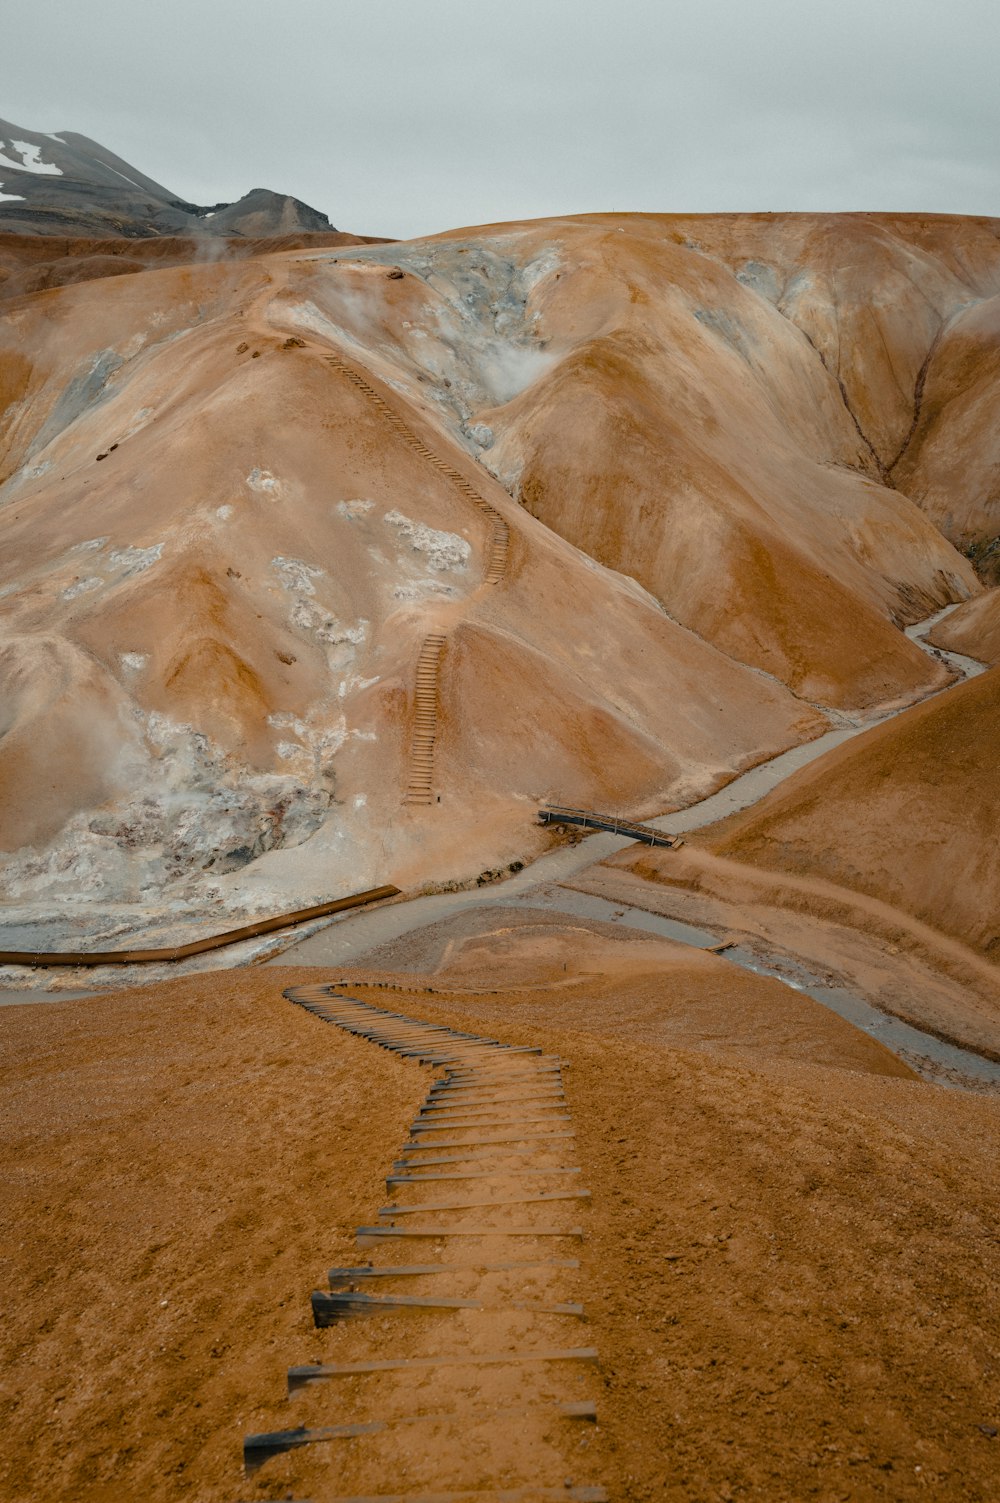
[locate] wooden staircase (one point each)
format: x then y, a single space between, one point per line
499 546
420 789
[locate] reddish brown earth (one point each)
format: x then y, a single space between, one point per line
878 862
758 343
733 456
906 814
39 263
786 1272
692 428
974 629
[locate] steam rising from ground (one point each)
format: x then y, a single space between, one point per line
478 339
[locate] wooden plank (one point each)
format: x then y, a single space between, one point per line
328 1309
338 1276
423 1179
501 1157
478 1142
317 1372
501 1081
487 1108
478 1103
454 1124
532 1494
257 1449
365 1235
534 1085
477 1205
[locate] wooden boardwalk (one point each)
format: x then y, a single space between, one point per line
420 789
558 814
455 1368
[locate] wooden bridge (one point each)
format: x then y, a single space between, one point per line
557 814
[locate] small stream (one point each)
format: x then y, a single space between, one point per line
346 940
930 1057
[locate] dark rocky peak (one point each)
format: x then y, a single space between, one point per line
66 184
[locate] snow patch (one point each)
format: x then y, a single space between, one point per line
13 197
424 589
124 176
139 421
33 471
31 160
309 615
353 684
445 550
135 560
317 740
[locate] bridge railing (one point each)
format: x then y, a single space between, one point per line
560 814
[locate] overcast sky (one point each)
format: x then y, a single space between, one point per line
402 117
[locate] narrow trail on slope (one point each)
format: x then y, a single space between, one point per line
454 1369
420 788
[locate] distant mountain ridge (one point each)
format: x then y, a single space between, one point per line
67 184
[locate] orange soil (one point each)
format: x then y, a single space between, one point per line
902 967
786 1270
711 406
906 814
974 628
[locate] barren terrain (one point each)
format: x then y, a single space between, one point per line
323 564
786 1268
684 437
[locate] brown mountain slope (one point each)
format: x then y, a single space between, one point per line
247 555
695 434
243 547
951 465
973 629
907 814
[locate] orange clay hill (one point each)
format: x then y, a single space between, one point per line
879 861
322 567
907 813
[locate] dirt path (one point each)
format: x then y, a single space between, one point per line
787 1271
457 1352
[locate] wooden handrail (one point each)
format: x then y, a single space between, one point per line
197 946
560 814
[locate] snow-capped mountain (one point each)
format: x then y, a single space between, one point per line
65 183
